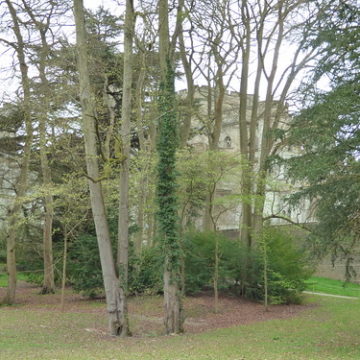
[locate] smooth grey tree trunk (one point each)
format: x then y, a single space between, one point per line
111 283
123 224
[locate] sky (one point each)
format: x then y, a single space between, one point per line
10 81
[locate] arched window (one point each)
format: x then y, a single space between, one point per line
227 142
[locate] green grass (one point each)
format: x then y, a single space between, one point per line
329 331
4 279
335 287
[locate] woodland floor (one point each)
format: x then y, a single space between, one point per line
35 328
146 311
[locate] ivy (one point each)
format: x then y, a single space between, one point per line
167 214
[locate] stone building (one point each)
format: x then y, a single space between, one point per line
278 188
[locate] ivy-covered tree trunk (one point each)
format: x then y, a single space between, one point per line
166 187
167 214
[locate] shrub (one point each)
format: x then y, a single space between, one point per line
242 271
84 270
287 267
200 261
145 272
84 267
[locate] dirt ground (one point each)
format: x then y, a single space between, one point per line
146 311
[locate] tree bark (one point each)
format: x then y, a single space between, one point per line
167 215
245 225
43 27
22 181
265 145
49 284
63 279
123 225
186 125
112 291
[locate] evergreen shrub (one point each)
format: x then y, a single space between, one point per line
242 271
146 272
200 261
84 266
288 267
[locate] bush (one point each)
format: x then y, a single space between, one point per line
145 272
84 267
242 271
287 267
200 261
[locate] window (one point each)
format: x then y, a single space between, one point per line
227 142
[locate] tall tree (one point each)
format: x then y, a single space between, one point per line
22 181
327 130
112 290
268 27
166 187
123 228
43 27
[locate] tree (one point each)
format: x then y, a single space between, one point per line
21 184
269 27
123 228
327 130
43 27
112 291
166 186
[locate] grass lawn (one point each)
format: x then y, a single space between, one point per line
335 287
4 277
329 331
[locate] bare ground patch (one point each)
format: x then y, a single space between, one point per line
146 311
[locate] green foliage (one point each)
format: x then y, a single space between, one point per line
199 174
145 272
242 271
287 267
329 135
200 261
84 269
166 186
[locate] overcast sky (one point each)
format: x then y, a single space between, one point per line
10 82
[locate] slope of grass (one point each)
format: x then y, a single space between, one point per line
335 287
329 331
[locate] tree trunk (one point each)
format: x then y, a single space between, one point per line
186 125
138 237
123 228
43 28
216 275
245 225
48 285
214 145
63 280
21 185
166 189
112 291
